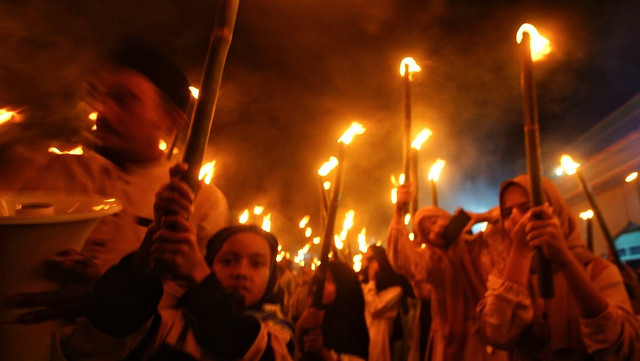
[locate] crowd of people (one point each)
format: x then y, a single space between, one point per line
169 278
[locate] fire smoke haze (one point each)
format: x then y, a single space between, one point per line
300 71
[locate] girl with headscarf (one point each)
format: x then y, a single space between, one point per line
219 317
385 292
589 316
339 330
452 278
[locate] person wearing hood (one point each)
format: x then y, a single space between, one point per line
219 317
451 277
590 315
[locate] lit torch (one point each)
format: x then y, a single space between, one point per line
7 115
407 67
415 146
207 171
244 217
75 151
303 222
323 171
266 222
434 175
571 167
533 48
328 239
587 216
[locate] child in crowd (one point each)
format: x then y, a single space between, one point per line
339 331
220 315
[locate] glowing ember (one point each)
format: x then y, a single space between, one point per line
423 246
413 66
436 169
94 127
266 222
540 46
93 116
407 218
257 210
75 151
162 145
569 165
421 138
631 177
588 214
362 241
316 240
328 166
195 92
303 222
307 232
357 262
206 172
354 129
326 185
244 217
394 195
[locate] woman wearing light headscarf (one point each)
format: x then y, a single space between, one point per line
590 315
452 278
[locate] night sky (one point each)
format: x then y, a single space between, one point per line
300 71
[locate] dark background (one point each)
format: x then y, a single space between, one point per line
300 71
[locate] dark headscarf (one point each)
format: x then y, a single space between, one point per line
219 238
344 327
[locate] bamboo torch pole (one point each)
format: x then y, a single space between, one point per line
532 146
209 88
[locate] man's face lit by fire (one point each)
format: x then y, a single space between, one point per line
131 115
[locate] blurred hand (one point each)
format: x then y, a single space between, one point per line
77 273
174 197
175 246
542 229
313 341
404 195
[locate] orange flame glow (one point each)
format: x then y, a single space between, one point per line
207 171
569 165
316 240
75 151
588 214
162 145
394 195
436 169
7 115
413 66
348 219
303 222
357 262
326 185
328 166
195 92
421 138
354 129
257 210
631 177
266 222
93 116
540 46
307 232
362 241
244 217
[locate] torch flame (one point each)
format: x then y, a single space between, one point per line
206 172
195 92
569 165
338 242
328 166
257 210
6 115
303 222
407 218
540 46
244 217
326 185
413 66
316 240
75 151
436 169
394 195
162 145
348 219
412 237
93 116
631 177
357 262
421 138
266 222
307 232
588 214
355 128
362 241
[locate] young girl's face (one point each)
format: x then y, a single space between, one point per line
243 265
